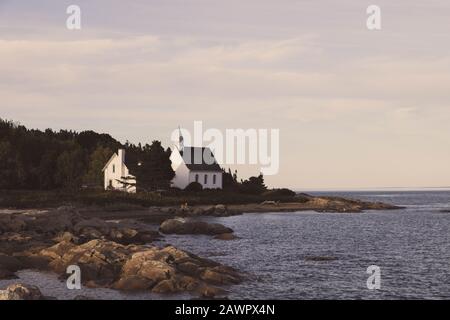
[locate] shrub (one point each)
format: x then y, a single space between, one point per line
284 192
194 187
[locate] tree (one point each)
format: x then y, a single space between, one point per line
151 166
12 175
46 169
69 168
254 185
97 161
229 180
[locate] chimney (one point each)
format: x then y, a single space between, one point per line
121 154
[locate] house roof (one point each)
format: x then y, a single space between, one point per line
110 159
199 159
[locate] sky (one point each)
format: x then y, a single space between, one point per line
355 108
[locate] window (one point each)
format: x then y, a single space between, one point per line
206 178
196 178
114 168
214 179
110 183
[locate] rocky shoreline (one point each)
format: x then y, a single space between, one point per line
117 250
308 203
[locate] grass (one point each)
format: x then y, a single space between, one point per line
115 200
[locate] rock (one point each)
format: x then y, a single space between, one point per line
11 223
166 286
66 237
54 222
148 267
320 258
100 261
7 274
124 232
226 236
209 211
34 262
8 266
190 268
135 268
197 212
89 233
92 224
209 292
21 292
220 276
10 263
169 270
133 283
176 226
220 209
168 210
131 236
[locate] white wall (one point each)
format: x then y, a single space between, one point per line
209 184
183 176
115 170
181 179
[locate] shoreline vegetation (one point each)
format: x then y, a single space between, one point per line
172 201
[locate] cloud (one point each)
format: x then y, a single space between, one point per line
341 108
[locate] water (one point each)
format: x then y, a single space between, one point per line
411 246
52 287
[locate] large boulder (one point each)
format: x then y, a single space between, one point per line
21 292
161 270
8 266
56 221
178 226
220 209
11 223
10 263
100 261
171 270
101 225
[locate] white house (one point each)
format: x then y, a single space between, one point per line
190 164
116 172
195 164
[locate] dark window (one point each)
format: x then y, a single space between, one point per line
196 178
114 168
206 178
214 179
110 183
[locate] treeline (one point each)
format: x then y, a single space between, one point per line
45 160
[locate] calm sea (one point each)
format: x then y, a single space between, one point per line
411 247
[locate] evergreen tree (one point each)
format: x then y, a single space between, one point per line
254 185
97 161
151 166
